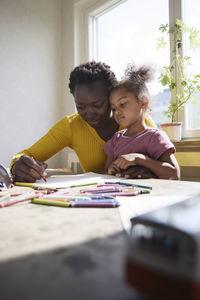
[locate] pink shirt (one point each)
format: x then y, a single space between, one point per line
151 142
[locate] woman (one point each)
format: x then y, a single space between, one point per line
85 132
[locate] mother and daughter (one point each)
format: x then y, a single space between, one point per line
111 119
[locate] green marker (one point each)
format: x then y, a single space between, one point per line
50 202
83 184
3 198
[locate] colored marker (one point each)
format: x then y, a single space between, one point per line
18 199
44 178
132 184
2 184
102 190
34 185
83 184
5 197
89 196
109 184
66 199
11 193
95 204
131 193
50 202
62 191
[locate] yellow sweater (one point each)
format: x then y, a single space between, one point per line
72 131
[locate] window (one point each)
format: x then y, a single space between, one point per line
128 33
191 116
122 31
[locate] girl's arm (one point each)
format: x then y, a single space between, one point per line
165 168
109 167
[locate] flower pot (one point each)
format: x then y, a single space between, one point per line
173 130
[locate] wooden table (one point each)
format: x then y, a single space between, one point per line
53 253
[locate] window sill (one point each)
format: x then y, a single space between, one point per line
191 142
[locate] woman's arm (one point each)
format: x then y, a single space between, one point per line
165 168
28 165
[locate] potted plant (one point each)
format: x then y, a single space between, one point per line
175 75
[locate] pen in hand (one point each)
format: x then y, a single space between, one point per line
44 178
41 164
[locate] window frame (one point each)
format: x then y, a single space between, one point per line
86 40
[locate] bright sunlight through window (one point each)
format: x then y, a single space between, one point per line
127 33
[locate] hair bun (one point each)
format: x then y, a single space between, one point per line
138 75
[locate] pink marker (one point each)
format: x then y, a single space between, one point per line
21 198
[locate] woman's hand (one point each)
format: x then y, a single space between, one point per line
27 169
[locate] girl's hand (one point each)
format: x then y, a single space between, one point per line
126 160
27 169
136 172
113 169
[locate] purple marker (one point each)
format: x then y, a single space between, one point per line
110 204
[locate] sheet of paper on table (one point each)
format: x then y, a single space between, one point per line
142 204
65 181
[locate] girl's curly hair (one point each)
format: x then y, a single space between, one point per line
90 72
135 79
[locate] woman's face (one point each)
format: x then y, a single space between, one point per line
92 103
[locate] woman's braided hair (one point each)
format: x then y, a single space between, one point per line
90 72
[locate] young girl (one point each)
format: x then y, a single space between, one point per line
138 144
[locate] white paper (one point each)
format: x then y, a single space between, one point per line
65 181
134 206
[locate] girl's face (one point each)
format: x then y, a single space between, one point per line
92 103
127 110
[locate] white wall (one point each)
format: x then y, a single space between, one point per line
36 57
